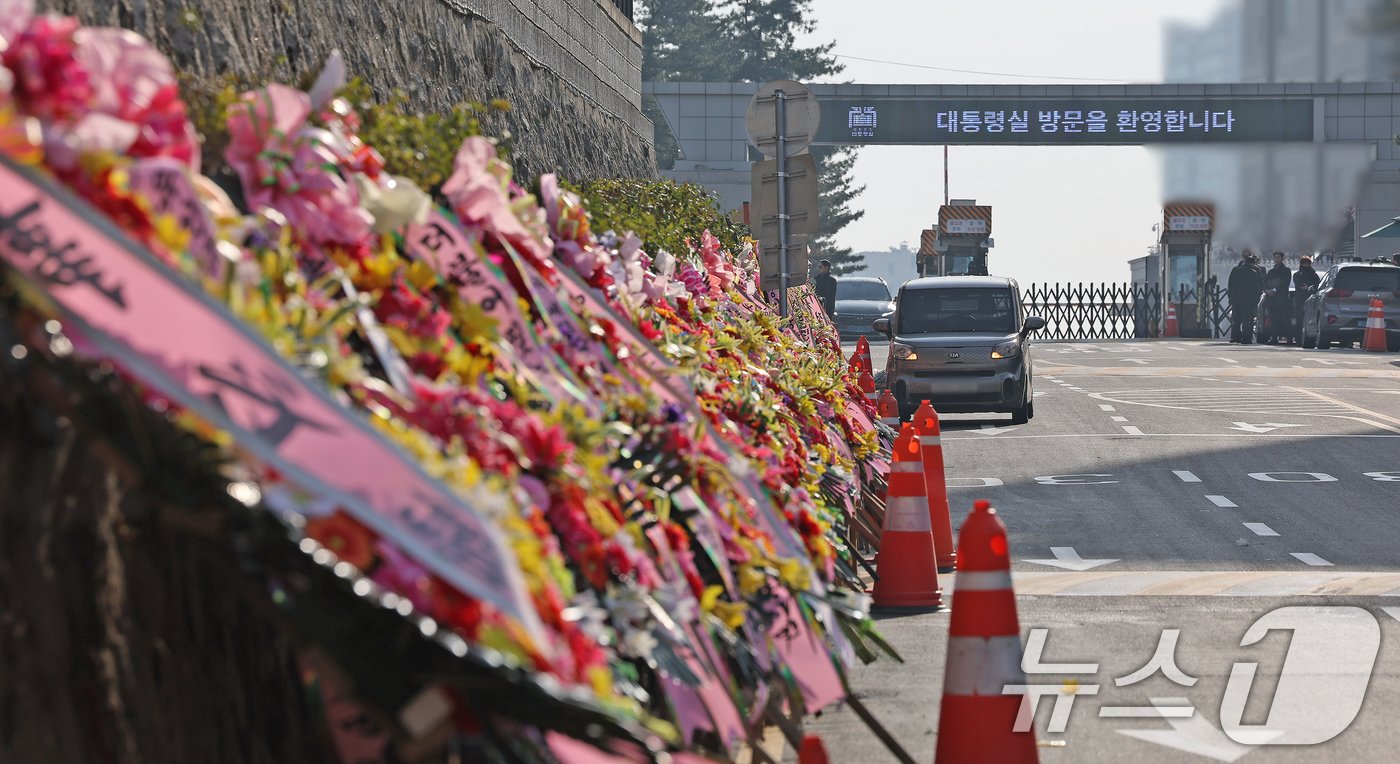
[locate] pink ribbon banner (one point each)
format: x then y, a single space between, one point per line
183 343
457 257
166 184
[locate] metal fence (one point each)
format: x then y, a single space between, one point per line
1123 311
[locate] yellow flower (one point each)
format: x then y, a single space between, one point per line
422 276
731 613
170 234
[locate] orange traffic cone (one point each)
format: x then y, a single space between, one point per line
1171 329
1374 339
863 352
931 449
813 751
976 722
867 386
888 409
907 575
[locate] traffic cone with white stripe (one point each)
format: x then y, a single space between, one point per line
1374 339
976 722
931 451
888 408
1171 329
907 574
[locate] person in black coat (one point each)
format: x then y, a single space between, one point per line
825 284
1245 286
1279 307
1304 282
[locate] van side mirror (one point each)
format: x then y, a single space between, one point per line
1032 324
881 325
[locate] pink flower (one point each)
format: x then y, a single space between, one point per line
721 272
401 575
291 168
695 282
134 83
479 192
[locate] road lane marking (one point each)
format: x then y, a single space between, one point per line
1309 558
1119 418
1193 583
1132 430
1067 370
1220 501
1343 436
1106 407
1261 428
1067 558
1186 477
1193 734
1156 712
1260 529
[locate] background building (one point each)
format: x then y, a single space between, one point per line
1295 198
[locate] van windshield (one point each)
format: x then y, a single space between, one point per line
862 290
941 311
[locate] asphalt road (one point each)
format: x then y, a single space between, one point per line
1192 486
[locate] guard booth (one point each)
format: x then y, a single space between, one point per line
964 238
1185 262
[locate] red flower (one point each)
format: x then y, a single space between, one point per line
430 365
345 536
49 82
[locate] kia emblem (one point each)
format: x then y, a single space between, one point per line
955 355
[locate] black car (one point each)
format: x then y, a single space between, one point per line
859 301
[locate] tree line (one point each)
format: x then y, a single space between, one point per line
750 41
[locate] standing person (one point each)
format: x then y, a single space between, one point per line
1280 309
826 287
1304 282
1245 285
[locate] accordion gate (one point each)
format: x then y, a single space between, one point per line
1107 311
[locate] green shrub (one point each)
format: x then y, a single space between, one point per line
662 212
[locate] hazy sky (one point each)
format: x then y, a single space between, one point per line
1059 213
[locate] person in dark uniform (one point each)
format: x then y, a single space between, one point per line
826 287
1245 286
1304 282
1280 309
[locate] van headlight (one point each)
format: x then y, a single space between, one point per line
902 352
1006 350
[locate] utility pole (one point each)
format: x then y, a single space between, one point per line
780 103
945 174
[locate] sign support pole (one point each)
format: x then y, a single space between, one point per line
780 103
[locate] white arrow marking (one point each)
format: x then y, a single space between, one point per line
1227 360
991 429
1331 361
1192 735
1067 558
1261 428
1393 612
1138 361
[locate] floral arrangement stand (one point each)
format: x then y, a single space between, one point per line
514 482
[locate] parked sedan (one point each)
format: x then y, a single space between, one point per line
1336 313
859 301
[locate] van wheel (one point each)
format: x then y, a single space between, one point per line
1324 342
1023 414
1309 341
